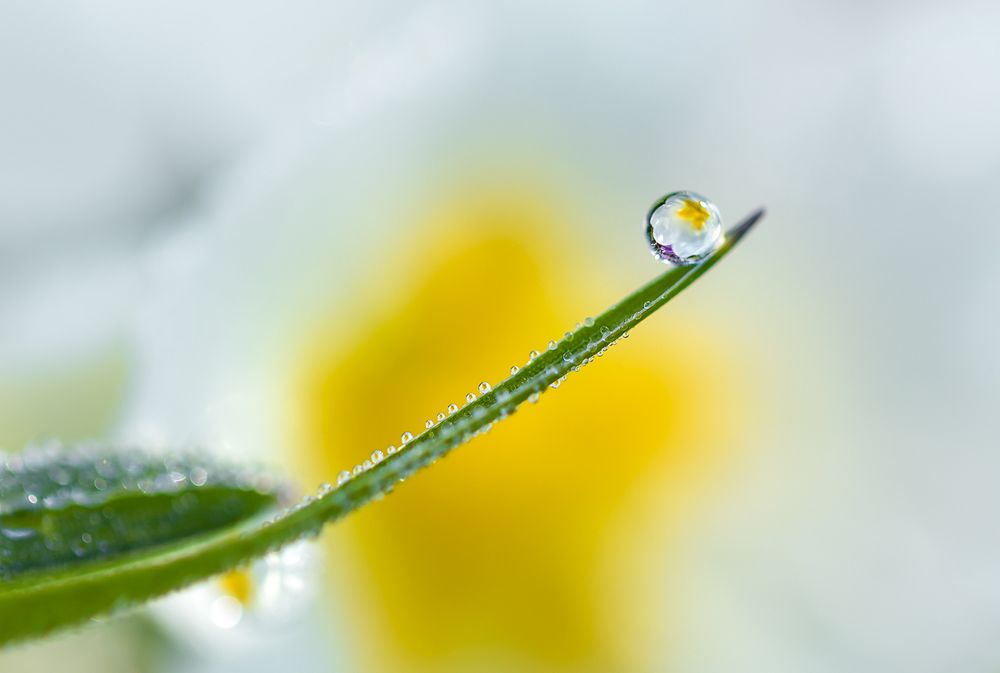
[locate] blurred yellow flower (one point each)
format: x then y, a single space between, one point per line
491 558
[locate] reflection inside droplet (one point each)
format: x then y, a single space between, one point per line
683 228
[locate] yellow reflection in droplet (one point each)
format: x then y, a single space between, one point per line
695 213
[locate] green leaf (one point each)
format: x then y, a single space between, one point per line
160 552
69 505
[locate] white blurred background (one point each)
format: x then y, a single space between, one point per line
183 186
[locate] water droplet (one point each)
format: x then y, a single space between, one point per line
428 424
199 476
440 417
588 321
552 345
17 533
514 369
377 456
484 388
470 398
391 450
32 498
405 437
357 470
532 355
647 304
226 612
533 397
452 408
324 489
343 477
683 228
367 465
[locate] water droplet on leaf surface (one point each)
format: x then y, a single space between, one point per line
683 228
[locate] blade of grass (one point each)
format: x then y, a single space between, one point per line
37 603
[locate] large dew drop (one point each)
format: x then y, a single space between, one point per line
683 228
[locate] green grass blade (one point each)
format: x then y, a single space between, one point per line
36 603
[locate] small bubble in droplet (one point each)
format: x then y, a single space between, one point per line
683 228
484 388
552 345
452 408
377 456
514 369
470 398
405 437
532 355
343 477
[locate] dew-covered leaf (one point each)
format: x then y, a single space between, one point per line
69 505
182 542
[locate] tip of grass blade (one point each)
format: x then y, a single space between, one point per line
740 230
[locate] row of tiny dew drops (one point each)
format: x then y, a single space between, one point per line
406 439
682 228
